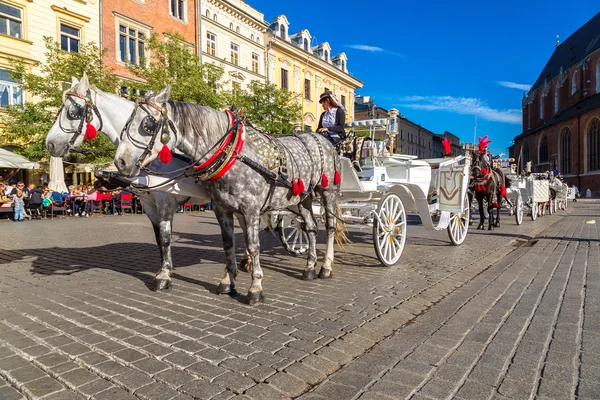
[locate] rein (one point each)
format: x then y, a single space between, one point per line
85 115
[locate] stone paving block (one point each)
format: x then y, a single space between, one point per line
96 386
13 362
556 389
92 358
190 346
260 373
64 395
43 386
390 389
157 350
8 393
588 390
305 373
334 355
206 370
263 391
235 382
180 359
288 384
26 374
238 365
111 368
132 379
516 389
114 393
201 389
472 390
438 388
78 377
37 350
151 365
74 349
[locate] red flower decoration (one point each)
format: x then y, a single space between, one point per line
446 143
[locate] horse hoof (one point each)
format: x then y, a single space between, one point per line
309 274
480 227
255 297
244 265
325 273
225 288
490 228
160 284
497 225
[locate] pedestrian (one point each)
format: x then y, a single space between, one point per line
19 206
333 118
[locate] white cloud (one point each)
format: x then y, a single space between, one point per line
462 105
374 49
513 85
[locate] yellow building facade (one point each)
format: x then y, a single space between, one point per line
294 64
25 23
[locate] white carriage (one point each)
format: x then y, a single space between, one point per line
533 191
379 189
513 192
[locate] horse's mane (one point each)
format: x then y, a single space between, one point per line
197 119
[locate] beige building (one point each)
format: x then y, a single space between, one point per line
232 35
294 64
23 25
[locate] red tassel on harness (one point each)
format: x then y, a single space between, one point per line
495 205
295 188
324 181
165 155
484 171
503 191
337 179
90 131
301 185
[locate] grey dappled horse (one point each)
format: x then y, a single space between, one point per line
201 133
110 113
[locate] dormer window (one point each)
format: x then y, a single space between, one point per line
282 31
305 44
326 55
343 65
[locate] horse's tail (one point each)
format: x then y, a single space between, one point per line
341 238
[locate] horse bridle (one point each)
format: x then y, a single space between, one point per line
76 112
151 126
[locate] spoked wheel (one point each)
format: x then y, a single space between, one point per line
534 211
292 236
519 210
459 225
389 229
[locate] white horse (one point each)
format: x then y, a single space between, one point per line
87 109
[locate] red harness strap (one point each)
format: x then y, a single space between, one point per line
238 143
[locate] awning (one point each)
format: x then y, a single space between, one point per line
8 159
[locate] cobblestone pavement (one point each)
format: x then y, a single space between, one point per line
501 315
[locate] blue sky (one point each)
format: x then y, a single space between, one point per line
442 62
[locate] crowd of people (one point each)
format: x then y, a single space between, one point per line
29 201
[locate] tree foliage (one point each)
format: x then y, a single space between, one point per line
173 61
27 126
268 107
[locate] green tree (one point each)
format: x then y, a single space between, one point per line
268 107
27 126
173 61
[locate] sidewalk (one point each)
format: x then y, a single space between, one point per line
526 327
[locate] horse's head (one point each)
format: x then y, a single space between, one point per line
77 119
148 132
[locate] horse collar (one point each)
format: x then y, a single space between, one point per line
227 153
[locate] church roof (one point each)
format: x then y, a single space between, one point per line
584 41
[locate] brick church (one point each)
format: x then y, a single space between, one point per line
561 112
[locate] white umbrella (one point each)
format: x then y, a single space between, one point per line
57 175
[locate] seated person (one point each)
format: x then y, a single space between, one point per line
333 119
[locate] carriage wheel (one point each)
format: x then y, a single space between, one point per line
292 236
519 210
534 211
389 229
459 225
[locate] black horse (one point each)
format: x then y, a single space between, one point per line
488 184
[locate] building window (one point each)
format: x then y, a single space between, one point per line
284 78
598 77
178 9
131 45
237 29
10 93
305 44
593 143
543 151
231 25
69 38
326 55
525 153
542 106
207 13
211 43
556 100
252 37
343 100
215 17
282 31
307 89
235 86
343 65
574 83
255 63
235 53
11 19
565 151
258 39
